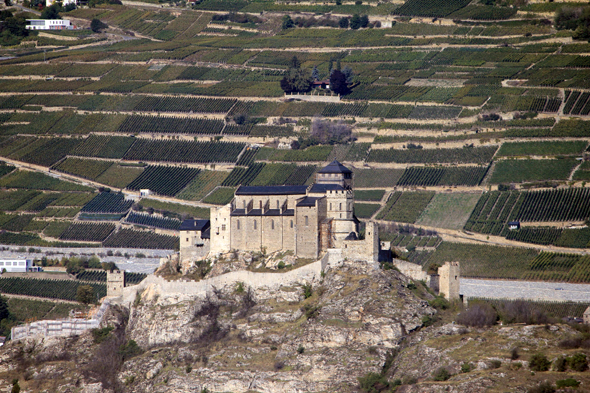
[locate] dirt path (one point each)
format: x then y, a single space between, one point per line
459 236
48 299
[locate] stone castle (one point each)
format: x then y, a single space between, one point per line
307 220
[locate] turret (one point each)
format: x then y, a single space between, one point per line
335 173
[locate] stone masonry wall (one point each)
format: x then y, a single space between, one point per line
64 327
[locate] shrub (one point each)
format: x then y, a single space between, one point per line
99 335
307 291
539 362
543 387
439 302
495 363
466 367
520 311
85 294
567 383
560 364
578 362
373 383
428 320
441 374
130 349
478 315
300 349
514 353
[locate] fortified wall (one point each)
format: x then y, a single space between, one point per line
445 283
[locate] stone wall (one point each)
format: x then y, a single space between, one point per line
176 289
363 250
411 270
314 97
62 327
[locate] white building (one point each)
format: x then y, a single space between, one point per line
18 265
49 24
63 2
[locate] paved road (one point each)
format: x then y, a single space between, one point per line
530 290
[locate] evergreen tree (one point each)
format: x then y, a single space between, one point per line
287 22
4 312
355 22
338 82
343 23
364 21
315 73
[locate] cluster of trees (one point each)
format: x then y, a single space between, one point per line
97 25
236 18
12 28
355 22
298 80
574 18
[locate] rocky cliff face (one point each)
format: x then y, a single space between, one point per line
319 338
301 338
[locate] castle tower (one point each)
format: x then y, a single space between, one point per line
335 173
449 275
115 283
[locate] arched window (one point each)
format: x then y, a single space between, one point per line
272 224
278 206
306 221
291 223
254 224
238 223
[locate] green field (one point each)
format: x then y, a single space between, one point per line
449 211
518 171
542 148
405 206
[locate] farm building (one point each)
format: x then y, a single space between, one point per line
18 265
306 220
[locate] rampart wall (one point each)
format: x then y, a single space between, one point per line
254 280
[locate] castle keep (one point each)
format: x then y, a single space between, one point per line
304 219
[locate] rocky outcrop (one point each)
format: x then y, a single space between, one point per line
306 336
292 338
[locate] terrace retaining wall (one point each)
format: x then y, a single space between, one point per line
60 327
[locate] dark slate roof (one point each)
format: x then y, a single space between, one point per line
194 225
323 187
206 234
308 201
258 212
335 167
351 236
271 190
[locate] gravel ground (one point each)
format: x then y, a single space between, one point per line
530 290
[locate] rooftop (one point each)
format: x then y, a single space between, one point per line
308 201
335 167
323 187
271 190
194 225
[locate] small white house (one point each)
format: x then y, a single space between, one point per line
63 2
49 24
18 265
144 192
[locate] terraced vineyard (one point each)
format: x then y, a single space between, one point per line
53 289
451 126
